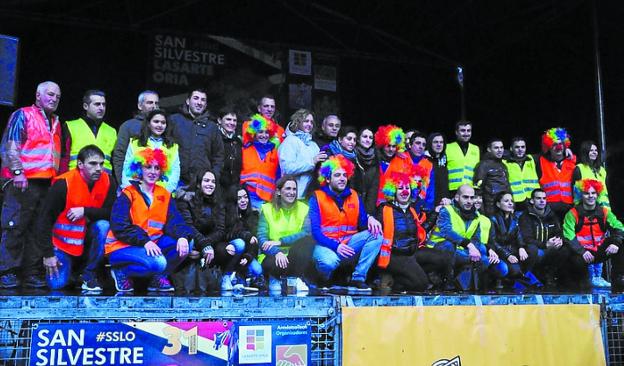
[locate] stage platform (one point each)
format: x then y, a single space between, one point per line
23 311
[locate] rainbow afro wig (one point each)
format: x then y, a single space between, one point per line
148 155
390 135
415 178
257 123
333 163
554 136
584 185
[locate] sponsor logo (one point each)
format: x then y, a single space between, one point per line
291 355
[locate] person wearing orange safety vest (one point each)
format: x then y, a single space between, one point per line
30 153
340 225
148 237
592 234
74 221
260 169
403 252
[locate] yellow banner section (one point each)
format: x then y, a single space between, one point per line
519 335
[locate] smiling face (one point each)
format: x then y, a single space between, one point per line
338 180
267 107
158 125
150 173
589 198
288 193
403 193
464 133
307 124
593 153
348 141
497 149
228 122
262 136
506 203
197 103
366 139
208 183
242 199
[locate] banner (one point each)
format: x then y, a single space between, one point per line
144 343
473 335
283 343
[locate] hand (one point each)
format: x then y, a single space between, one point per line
208 254
281 260
374 226
558 242
52 265
512 259
243 262
253 240
75 213
473 253
152 249
445 201
320 157
182 247
493 257
588 257
523 254
230 249
568 153
270 243
612 249
20 182
345 251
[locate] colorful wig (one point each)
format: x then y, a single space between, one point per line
333 163
259 122
584 185
390 135
416 178
145 156
554 136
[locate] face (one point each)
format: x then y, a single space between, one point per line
158 125
403 193
228 122
478 202
150 172
366 139
267 107
556 152
288 193
465 197
539 200
208 184
262 136
506 204
593 153
389 150
338 180
150 102
497 149
307 124
242 199
589 197
49 98
91 168
418 146
197 103
96 108
437 144
331 126
463 133
518 149
348 142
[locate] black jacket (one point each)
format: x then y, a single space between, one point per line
232 163
536 228
492 176
507 237
242 225
206 218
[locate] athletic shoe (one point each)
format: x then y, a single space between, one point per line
160 283
9 280
275 285
91 285
123 283
226 282
359 286
34 281
301 286
600 282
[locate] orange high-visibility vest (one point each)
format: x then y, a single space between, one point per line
260 174
388 233
590 233
67 235
335 223
557 183
400 163
151 219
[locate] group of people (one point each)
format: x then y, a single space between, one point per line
195 202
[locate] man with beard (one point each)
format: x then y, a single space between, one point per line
74 222
462 156
522 173
491 175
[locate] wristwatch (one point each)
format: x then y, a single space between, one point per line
17 172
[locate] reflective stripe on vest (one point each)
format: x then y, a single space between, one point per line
523 180
67 235
338 224
555 182
151 219
283 223
82 135
460 166
259 174
591 235
388 233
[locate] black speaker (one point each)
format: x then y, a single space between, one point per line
9 53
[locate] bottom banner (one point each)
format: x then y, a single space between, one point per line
282 343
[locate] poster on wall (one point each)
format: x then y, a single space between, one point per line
300 62
273 343
132 343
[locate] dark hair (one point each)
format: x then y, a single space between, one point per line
145 133
265 96
462 123
516 139
536 190
197 182
89 151
361 130
199 90
493 140
344 131
225 110
430 142
414 136
276 199
86 98
233 197
584 155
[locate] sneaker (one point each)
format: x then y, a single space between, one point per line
34 281
258 282
275 285
9 280
600 282
226 282
123 283
301 286
160 283
91 285
359 286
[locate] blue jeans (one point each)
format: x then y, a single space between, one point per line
136 262
254 269
92 256
364 242
462 259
